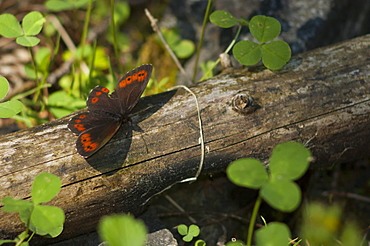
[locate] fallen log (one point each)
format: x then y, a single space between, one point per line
320 99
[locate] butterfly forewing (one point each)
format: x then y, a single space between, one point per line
101 104
131 86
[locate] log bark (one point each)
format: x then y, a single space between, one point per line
320 99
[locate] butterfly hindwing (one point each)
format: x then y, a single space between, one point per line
80 123
131 86
92 139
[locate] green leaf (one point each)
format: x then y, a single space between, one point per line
194 230
182 229
184 49
27 41
23 236
6 241
264 28
10 108
122 230
275 54
247 172
223 19
9 26
283 195
321 224
4 87
121 12
15 205
274 233
58 5
45 187
25 214
289 160
60 104
42 58
247 52
61 5
32 23
207 69
200 243
236 243
187 238
80 3
351 235
47 220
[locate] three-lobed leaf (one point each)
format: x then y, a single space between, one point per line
188 233
31 25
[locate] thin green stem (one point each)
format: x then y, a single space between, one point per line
226 51
205 20
253 220
85 29
37 93
86 24
114 34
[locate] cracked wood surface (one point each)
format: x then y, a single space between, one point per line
320 99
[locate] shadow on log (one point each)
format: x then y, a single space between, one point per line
321 99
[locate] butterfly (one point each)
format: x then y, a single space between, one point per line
107 112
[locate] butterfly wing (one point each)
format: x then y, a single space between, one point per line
101 104
106 113
97 133
131 86
96 127
80 123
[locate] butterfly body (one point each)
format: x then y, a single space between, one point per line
108 112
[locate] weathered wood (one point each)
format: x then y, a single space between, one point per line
321 100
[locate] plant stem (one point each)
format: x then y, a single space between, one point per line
86 24
205 20
33 59
253 220
114 34
226 51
